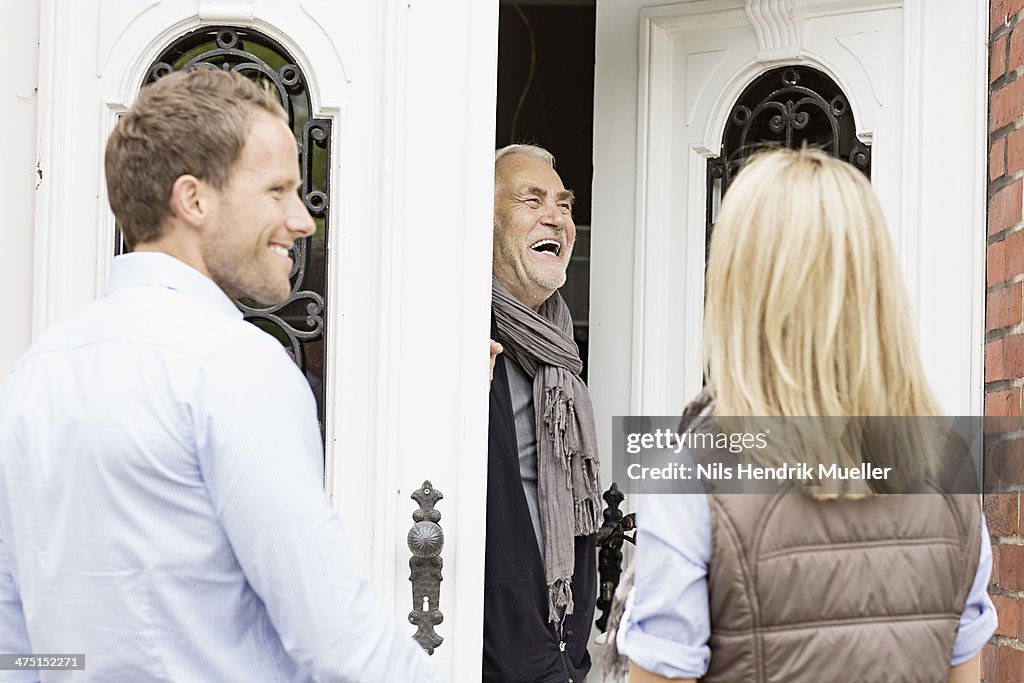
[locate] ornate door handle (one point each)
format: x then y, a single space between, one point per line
426 539
609 559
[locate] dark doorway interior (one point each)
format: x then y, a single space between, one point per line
546 97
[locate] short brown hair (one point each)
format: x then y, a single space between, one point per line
193 122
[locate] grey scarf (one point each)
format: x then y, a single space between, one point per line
567 462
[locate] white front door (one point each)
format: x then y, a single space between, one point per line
667 78
408 92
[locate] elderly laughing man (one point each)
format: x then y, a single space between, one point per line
543 495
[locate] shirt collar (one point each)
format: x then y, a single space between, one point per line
155 269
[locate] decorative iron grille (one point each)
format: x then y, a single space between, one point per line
788 106
298 322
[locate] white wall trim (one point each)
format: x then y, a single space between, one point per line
56 48
652 329
20 112
980 224
387 248
942 244
648 31
908 241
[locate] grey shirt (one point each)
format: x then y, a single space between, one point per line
521 388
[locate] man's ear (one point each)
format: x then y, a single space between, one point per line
191 200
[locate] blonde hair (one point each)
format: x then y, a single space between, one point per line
806 312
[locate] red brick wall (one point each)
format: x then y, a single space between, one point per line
1003 657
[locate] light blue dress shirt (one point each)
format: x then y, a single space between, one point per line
161 501
666 623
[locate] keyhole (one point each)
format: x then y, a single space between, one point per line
426 603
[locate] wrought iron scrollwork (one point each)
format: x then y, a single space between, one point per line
787 106
298 322
426 540
610 537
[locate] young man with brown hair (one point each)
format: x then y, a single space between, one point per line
161 467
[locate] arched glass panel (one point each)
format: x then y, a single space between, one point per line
299 322
788 106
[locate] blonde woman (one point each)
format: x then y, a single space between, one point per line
806 315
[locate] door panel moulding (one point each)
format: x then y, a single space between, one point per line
884 74
663 33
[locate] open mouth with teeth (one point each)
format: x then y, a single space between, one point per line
282 253
547 246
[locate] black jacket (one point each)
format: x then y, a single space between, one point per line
520 644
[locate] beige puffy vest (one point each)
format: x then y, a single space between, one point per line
838 591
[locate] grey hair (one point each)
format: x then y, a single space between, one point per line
528 150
